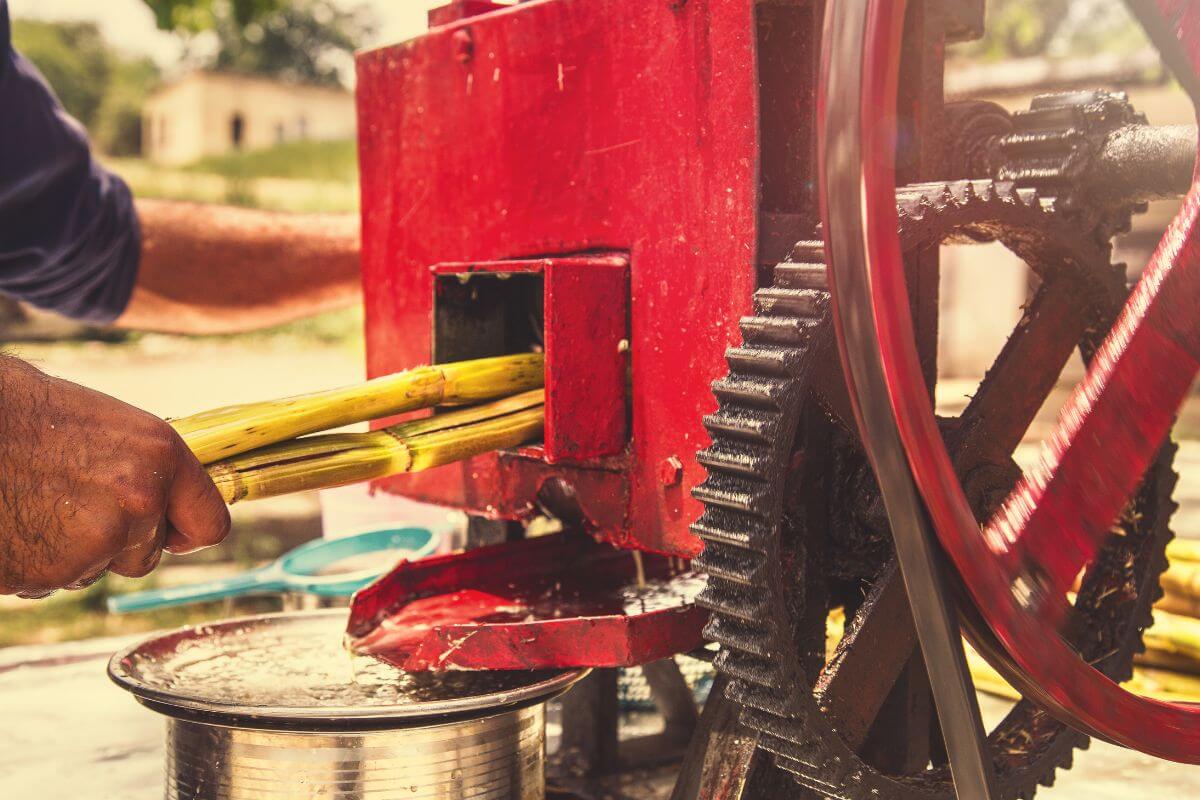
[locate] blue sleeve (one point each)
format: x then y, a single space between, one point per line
69 235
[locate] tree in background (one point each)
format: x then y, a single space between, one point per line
74 58
194 16
97 86
118 124
305 40
1055 28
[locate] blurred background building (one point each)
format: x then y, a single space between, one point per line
209 113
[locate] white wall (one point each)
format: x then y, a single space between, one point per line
198 113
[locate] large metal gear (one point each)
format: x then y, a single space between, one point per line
768 560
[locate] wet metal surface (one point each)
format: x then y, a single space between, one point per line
287 667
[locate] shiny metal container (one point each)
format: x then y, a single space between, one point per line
497 757
488 745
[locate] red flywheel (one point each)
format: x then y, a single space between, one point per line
1019 569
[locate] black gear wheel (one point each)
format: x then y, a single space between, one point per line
759 549
1053 146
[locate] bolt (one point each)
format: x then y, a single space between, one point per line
670 472
464 45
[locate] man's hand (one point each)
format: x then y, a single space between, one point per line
89 484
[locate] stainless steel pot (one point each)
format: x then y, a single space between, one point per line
236 731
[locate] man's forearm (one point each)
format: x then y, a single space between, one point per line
220 269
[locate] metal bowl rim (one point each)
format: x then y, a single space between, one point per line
482 705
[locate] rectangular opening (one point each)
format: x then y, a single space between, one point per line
485 314
573 308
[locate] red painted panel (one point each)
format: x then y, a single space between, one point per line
587 319
586 327
559 127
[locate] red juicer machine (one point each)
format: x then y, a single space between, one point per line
721 221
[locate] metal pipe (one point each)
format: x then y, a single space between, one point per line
1143 162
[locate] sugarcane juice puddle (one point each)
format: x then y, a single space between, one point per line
257 666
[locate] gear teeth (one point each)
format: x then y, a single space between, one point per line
750 669
781 746
764 698
805 776
753 390
769 724
748 606
750 425
759 405
775 361
738 494
1051 148
741 458
744 567
793 331
800 276
808 251
752 637
724 527
797 302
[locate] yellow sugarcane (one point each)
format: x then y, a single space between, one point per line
319 462
1184 550
226 432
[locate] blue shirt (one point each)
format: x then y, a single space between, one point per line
69 235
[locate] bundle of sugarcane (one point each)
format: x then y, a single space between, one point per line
258 450
1169 669
321 462
1181 581
1173 638
1159 684
226 432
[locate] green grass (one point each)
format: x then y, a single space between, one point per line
71 616
308 160
302 177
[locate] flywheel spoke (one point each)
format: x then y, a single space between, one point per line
1116 420
871 657
1025 372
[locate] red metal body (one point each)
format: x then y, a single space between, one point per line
556 601
1056 519
543 133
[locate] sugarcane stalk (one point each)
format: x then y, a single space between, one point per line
1157 684
1183 550
1182 578
226 432
1172 633
321 462
1181 604
1172 661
